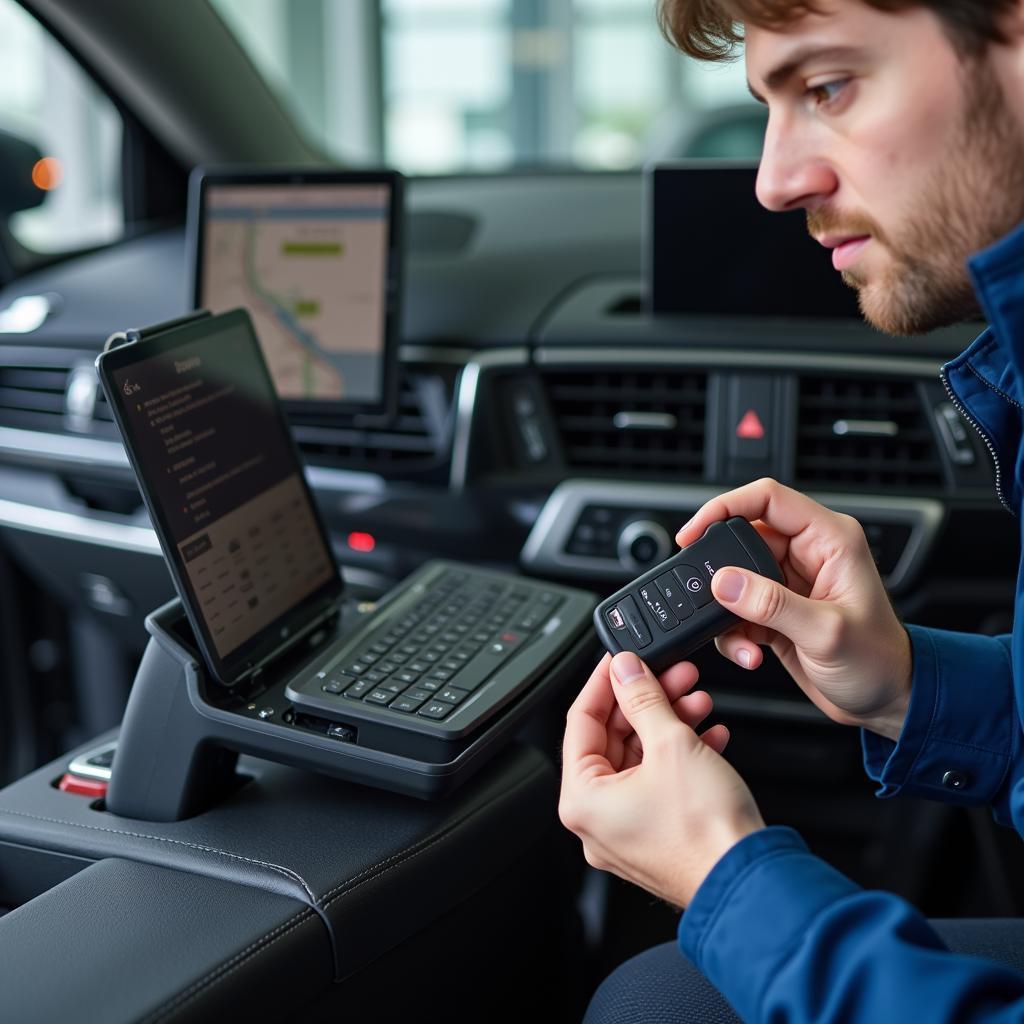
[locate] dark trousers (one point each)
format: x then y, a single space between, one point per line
660 986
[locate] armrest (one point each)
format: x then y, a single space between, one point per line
370 869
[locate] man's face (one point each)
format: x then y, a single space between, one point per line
906 158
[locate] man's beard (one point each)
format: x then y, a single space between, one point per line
970 200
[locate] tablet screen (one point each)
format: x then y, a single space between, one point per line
223 481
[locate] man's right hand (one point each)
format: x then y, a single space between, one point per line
832 625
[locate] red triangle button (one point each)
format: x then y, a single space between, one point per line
750 426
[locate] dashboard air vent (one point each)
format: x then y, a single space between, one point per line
630 420
414 444
865 431
32 387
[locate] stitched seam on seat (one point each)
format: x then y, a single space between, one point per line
225 969
229 966
353 883
287 872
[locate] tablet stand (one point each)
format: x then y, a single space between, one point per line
181 734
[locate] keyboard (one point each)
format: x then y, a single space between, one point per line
438 646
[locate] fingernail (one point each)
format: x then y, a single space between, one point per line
744 657
627 667
729 586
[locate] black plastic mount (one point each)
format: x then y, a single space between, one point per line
181 734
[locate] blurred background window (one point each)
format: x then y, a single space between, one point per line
49 101
443 86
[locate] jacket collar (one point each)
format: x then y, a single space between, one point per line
997 355
985 379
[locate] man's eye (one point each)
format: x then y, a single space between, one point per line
827 92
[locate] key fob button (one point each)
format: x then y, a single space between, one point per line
639 632
675 596
663 616
695 583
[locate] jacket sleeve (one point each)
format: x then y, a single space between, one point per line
961 741
786 938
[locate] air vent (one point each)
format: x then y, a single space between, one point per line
32 386
865 431
414 444
631 420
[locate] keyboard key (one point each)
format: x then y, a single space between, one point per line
380 697
436 709
418 665
452 695
333 686
419 693
406 704
387 667
406 677
380 648
395 685
442 674
374 676
409 649
429 684
359 689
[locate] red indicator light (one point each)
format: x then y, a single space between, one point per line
361 541
83 787
750 426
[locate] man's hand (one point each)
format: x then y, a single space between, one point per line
653 802
832 625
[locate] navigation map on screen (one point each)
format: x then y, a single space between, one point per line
309 262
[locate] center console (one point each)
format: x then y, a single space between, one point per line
296 895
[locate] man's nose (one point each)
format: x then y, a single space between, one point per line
791 174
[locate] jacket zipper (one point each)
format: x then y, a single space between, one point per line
958 405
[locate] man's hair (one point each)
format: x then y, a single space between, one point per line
710 29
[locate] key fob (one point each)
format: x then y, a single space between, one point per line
668 613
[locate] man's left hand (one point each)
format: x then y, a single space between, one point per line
653 802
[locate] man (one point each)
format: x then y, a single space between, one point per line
899 127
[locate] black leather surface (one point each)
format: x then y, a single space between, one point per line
122 941
375 866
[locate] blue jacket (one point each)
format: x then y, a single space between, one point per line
784 936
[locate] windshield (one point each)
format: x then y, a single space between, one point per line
445 86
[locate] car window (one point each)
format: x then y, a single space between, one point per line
442 86
49 101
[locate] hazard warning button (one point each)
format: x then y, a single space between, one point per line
750 410
750 427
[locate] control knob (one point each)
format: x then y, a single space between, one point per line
643 543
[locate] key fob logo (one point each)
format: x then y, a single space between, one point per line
616 619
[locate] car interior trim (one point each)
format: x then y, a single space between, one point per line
465 404
714 358
545 548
